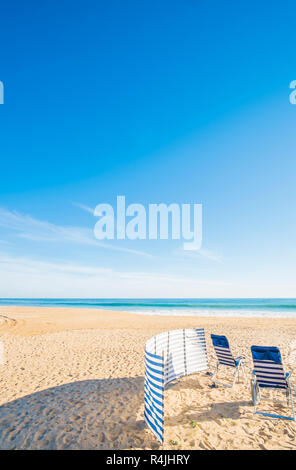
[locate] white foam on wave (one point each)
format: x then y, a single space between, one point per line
239 313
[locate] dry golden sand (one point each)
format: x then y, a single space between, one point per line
73 379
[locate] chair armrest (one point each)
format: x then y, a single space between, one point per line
240 358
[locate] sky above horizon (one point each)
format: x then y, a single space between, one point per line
162 102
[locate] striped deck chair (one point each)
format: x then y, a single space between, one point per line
269 373
225 358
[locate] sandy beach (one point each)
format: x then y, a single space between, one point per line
73 379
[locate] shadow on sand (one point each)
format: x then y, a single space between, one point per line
97 414
213 412
91 414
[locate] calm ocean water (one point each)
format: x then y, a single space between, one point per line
273 308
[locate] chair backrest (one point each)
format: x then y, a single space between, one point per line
222 350
268 367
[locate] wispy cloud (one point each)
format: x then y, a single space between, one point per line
23 276
25 265
4 242
202 253
210 254
84 207
33 229
30 228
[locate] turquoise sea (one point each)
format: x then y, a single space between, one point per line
272 308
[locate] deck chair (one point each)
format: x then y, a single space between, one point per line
269 373
225 358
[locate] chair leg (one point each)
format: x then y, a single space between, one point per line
236 375
239 368
255 392
291 399
215 374
288 396
244 371
256 399
235 378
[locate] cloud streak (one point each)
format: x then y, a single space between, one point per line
202 253
27 277
84 207
29 228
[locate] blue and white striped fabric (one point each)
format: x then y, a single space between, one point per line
154 393
268 367
222 350
185 353
168 356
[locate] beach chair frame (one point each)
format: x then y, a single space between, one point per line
240 366
236 363
257 388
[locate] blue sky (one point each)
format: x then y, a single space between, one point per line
167 101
